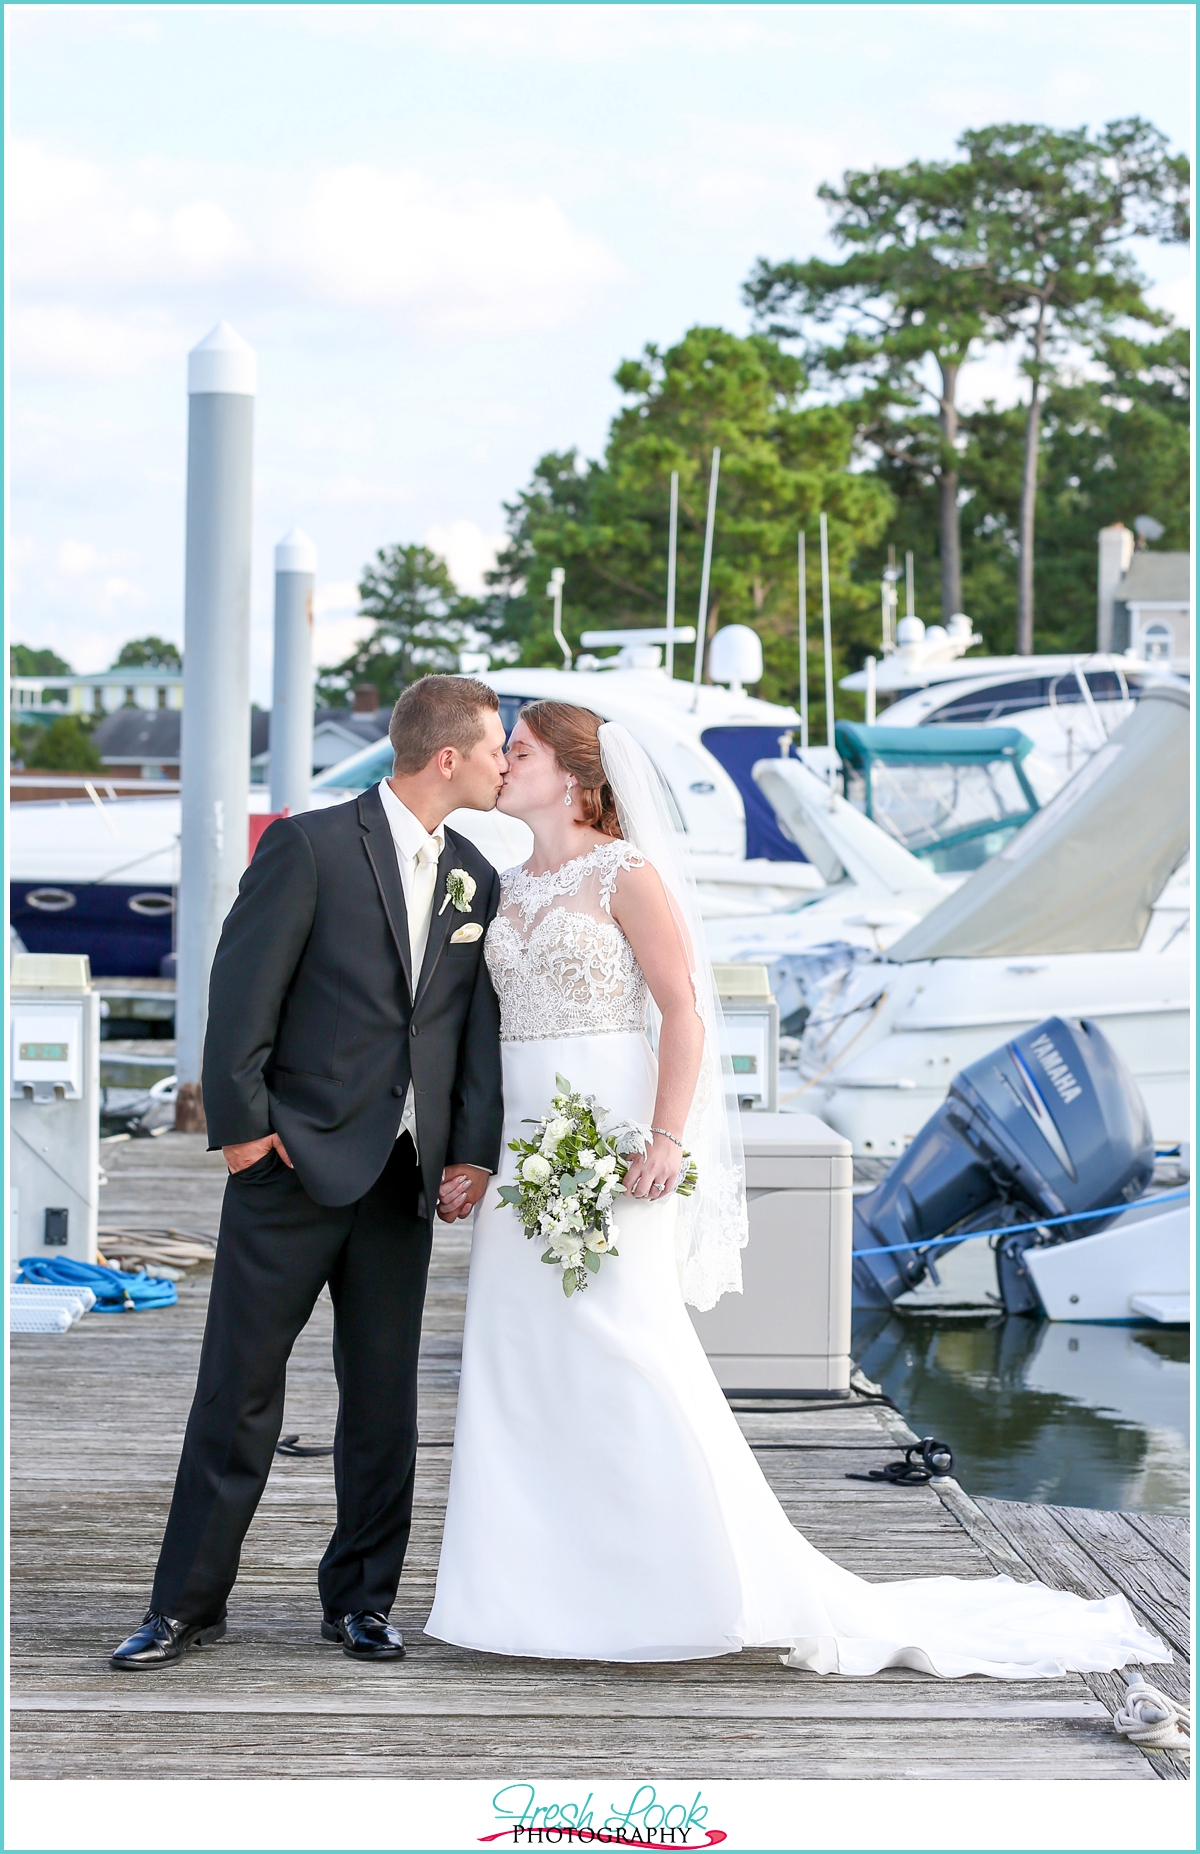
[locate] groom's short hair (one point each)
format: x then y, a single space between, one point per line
437 712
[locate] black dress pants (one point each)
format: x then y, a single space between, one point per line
276 1251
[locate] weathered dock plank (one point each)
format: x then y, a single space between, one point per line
1144 1556
97 1419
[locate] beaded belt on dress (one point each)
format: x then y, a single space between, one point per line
558 1036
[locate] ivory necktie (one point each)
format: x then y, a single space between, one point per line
420 903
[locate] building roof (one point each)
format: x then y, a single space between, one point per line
1156 579
343 726
153 734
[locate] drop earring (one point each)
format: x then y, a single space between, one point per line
570 783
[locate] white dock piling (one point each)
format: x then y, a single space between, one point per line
215 745
291 690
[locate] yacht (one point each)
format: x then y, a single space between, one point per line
1067 706
1085 912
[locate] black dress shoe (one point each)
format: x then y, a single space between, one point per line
365 1635
161 1639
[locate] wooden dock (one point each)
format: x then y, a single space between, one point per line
97 1419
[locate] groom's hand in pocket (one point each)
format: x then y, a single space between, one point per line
240 1158
461 1189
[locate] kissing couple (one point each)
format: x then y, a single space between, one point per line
386 1012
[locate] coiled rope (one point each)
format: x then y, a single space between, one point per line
1149 1719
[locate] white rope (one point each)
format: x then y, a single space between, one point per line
1148 1718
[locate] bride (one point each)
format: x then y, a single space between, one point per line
603 1503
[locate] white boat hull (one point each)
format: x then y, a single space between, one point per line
1144 1256
898 1034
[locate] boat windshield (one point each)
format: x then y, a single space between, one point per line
953 796
737 749
994 703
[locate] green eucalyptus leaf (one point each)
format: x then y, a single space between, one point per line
592 1261
569 1283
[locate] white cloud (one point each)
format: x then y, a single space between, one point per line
467 550
80 560
335 638
344 491
71 219
121 597
1178 298
59 341
479 259
335 598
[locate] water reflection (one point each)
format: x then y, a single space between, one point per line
1071 1415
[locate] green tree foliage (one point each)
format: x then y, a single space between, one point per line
24 661
606 522
148 653
1051 216
1113 447
63 746
1024 238
903 296
421 622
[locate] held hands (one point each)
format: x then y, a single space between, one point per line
240 1158
461 1189
656 1173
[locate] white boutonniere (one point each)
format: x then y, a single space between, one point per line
460 889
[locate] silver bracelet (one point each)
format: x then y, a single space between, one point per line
670 1136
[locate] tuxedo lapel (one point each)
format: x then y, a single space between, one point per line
442 920
381 854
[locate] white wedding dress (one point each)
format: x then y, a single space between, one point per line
603 1502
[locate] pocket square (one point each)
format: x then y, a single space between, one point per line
462 935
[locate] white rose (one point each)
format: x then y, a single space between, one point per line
535 1170
554 1136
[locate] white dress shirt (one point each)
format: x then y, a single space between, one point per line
417 853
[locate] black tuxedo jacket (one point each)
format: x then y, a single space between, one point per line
316 1022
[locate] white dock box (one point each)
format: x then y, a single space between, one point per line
787 1334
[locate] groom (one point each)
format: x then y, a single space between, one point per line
352 1081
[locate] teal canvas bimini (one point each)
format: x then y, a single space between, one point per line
952 795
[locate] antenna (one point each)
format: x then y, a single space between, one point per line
702 619
671 540
555 591
908 586
828 628
887 594
803 646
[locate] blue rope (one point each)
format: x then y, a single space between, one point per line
1009 1229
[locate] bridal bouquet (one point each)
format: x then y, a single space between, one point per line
569 1176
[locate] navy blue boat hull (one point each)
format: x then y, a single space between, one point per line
120 939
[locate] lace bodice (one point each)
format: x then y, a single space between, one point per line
560 964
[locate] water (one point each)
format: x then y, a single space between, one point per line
1070 1415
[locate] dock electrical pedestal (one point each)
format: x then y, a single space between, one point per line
54 1117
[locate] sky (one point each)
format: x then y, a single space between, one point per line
442 228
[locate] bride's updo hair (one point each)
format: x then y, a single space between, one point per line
571 735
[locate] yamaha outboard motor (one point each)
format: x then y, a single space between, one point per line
1049 1124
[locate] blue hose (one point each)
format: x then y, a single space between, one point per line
115 1292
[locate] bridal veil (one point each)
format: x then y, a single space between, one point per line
711 1227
